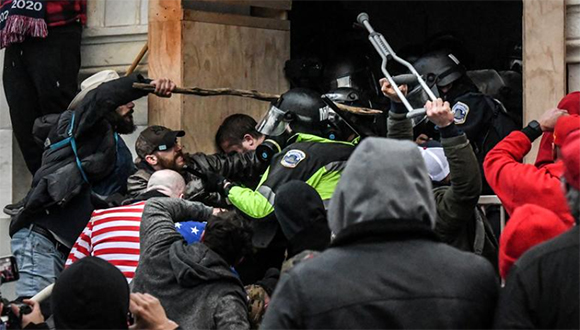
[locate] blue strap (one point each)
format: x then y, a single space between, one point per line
60 144
73 145
71 140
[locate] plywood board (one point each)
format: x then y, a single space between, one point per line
165 60
544 53
219 55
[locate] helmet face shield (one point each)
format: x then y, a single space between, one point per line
273 123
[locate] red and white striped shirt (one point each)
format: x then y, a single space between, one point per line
113 235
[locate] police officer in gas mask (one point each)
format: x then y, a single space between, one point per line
314 147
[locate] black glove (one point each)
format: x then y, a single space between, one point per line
215 183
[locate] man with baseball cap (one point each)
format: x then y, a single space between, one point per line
158 148
84 157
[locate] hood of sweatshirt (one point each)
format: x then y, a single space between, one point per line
386 180
197 264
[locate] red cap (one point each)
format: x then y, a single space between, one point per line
571 102
529 226
571 159
564 126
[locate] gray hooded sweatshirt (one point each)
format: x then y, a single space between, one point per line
196 286
386 268
385 179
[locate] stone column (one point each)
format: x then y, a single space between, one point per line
573 44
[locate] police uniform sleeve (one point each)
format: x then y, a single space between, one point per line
257 203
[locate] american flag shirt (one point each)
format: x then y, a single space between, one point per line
113 235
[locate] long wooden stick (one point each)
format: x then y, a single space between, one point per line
247 93
137 59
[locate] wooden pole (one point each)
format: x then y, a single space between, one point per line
137 59
249 94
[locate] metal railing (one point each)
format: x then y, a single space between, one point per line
494 200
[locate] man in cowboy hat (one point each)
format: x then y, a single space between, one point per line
84 157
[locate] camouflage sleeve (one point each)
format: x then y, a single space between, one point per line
284 310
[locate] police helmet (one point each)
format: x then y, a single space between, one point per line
349 96
299 110
439 68
351 71
348 123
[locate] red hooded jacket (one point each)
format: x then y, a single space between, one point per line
517 184
529 226
570 102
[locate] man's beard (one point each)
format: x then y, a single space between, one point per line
122 124
171 164
126 126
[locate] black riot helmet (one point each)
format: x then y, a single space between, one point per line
349 123
349 70
349 96
299 110
439 68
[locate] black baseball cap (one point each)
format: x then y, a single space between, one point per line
156 138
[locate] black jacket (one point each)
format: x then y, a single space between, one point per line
542 289
381 274
386 268
459 222
243 168
196 286
59 180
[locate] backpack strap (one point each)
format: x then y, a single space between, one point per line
71 140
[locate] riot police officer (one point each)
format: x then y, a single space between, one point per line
474 112
314 149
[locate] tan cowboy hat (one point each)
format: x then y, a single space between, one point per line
91 83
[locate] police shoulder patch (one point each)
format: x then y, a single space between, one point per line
292 158
460 112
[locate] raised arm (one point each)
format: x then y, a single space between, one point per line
399 127
516 183
455 204
110 95
160 215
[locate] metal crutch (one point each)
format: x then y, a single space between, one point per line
385 50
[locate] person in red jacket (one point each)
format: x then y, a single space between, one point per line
517 184
529 226
570 102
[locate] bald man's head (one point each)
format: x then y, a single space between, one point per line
168 182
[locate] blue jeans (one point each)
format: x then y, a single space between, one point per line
39 262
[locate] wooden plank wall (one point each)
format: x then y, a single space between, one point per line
230 56
244 47
165 56
544 47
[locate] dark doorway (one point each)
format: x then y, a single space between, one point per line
484 32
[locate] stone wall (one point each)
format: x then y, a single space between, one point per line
115 33
573 44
